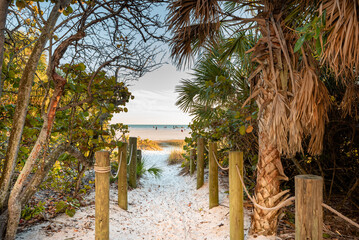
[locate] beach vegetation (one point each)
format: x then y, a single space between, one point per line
147 144
176 156
143 170
171 143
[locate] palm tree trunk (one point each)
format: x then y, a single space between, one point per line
269 174
265 222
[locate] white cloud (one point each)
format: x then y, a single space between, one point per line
155 99
152 107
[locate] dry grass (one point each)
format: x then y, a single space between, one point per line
171 143
176 157
147 144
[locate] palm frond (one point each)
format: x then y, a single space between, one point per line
183 12
342 47
192 22
188 39
350 102
309 112
187 90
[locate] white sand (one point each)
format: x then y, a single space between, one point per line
159 134
165 208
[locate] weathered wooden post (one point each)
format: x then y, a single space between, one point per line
308 207
191 161
133 162
102 197
213 176
236 222
122 176
139 156
200 162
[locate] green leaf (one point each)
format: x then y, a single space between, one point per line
82 66
60 206
299 43
70 212
90 132
24 150
242 130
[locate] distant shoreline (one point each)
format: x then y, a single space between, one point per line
159 132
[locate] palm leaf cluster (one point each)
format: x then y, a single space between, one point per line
284 75
285 83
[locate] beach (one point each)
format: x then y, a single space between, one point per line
159 132
168 207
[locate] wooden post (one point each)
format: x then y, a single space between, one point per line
308 207
102 197
213 176
133 162
139 156
191 161
122 176
236 222
200 162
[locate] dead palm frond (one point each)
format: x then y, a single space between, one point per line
342 47
350 101
309 111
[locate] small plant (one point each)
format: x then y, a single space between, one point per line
69 206
30 212
142 170
155 171
176 157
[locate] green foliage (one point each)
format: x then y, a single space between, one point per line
215 97
142 170
69 206
313 30
31 212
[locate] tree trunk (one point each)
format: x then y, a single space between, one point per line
14 203
4 6
41 173
267 191
22 103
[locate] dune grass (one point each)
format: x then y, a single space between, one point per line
171 143
176 157
147 144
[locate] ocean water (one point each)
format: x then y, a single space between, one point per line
159 132
159 126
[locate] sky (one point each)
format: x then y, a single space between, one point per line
155 99
155 95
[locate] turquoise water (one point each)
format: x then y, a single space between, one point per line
159 126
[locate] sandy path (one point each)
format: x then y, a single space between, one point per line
166 208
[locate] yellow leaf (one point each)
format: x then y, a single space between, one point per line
248 118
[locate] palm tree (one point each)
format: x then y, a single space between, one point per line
292 100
